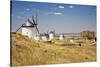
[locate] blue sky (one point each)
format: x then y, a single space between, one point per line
63 18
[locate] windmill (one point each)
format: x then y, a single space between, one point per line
29 27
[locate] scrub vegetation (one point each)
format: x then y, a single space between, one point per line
26 51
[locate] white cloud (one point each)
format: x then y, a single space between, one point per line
27 9
54 13
71 6
61 7
58 13
18 17
48 13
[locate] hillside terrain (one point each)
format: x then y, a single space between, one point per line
26 51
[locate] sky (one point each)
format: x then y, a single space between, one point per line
63 18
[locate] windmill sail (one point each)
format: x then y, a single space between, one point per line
37 29
33 20
20 27
35 23
36 18
29 21
32 23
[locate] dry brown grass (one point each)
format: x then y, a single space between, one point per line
29 52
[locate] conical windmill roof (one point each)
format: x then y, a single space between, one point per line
28 24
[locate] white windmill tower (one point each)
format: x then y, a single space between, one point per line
51 35
29 28
61 37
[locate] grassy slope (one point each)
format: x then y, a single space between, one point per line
29 52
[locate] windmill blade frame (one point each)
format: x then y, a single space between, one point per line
20 27
33 20
37 30
29 21
36 18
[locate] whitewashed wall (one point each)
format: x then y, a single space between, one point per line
61 37
51 36
28 32
44 38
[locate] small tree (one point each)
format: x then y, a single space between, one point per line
87 34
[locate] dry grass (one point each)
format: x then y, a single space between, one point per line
29 52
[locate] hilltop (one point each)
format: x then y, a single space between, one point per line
26 51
